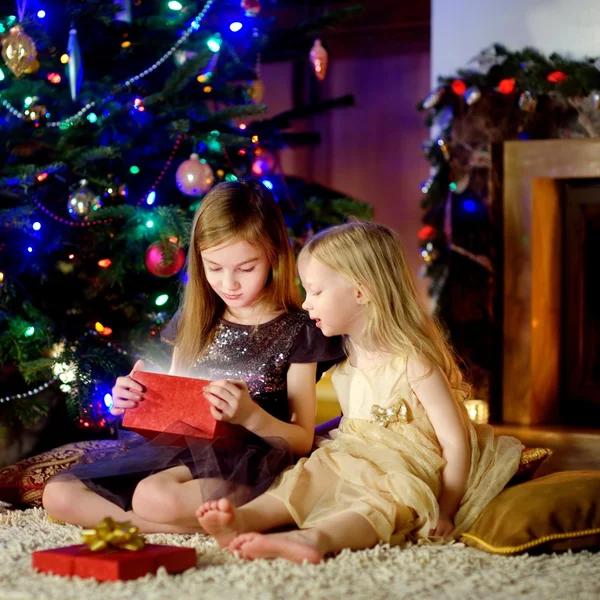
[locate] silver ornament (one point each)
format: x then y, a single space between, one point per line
527 102
83 202
124 12
433 98
75 65
472 95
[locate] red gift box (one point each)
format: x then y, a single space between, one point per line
175 405
113 565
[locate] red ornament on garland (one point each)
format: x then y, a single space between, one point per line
459 87
557 77
506 86
163 265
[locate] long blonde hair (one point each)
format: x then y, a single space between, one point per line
231 212
371 257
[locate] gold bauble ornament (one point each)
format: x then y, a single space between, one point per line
34 67
257 90
19 51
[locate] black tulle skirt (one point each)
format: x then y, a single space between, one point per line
240 469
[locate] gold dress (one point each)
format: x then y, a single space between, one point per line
385 462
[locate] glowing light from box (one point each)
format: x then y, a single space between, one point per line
478 410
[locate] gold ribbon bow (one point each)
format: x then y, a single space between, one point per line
111 534
393 414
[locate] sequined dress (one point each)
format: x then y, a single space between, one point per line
385 462
260 356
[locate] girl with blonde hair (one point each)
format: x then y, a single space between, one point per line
406 463
241 326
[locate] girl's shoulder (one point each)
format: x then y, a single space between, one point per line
312 346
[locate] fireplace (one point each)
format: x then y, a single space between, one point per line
548 209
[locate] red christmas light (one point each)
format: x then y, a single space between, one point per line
506 86
426 232
459 87
557 77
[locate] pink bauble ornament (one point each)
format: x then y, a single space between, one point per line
318 59
264 162
194 177
164 264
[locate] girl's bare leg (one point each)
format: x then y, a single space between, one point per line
73 502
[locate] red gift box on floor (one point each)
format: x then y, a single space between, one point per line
113 565
175 405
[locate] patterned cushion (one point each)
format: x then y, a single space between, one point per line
531 460
554 513
22 484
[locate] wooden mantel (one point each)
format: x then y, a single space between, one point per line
532 221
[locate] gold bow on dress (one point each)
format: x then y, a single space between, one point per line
111 534
393 414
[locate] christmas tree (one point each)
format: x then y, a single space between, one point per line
116 118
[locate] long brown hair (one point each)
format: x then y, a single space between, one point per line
231 212
372 258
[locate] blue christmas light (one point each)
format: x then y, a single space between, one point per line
1 74
267 184
470 205
151 198
108 401
235 26
29 249
37 226
92 117
41 14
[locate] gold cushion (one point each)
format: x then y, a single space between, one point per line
22 484
557 512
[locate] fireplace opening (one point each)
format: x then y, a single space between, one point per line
579 402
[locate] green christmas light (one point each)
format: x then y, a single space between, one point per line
214 43
1 71
92 117
149 224
230 177
174 5
29 331
134 170
161 300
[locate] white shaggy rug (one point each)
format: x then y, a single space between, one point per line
422 573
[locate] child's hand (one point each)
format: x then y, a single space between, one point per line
230 401
445 526
126 392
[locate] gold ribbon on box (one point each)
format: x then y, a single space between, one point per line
112 535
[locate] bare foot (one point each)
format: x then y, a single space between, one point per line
218 518
297 546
